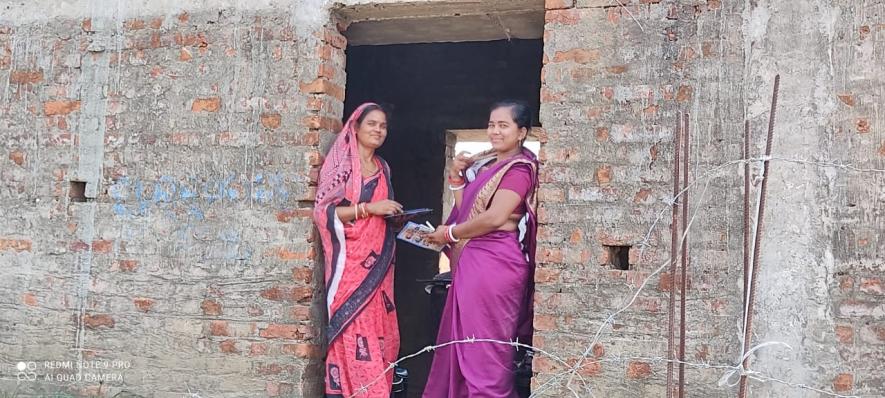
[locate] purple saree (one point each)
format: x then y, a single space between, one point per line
490 296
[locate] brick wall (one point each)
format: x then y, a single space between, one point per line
614 78
197 135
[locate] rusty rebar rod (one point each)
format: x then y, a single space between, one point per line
746 155
674 238
757 249
684 283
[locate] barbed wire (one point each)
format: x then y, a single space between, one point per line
572 371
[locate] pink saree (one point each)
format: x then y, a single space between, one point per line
491 293
363 335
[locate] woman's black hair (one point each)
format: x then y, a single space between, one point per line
519 111
368 110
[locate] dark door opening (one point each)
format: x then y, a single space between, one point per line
429 89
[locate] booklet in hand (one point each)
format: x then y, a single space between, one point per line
407 215
415 234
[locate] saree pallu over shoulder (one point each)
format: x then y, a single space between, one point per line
480 192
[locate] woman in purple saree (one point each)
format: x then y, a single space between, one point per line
491 235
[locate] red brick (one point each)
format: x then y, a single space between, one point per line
18 157
134 24
212 104
17 245
218 328
288 293
683 94
648 304
275 389
550 255
863 126
271 369
62 107
846 283
638 370
323 86
563 17
321 122
256 349
300 312
874 334
613 15
617 69
26 76
707 49
551 195
864 32
98 321
86 25
156 23
558 4
642 195
544 365
229 347
844 334
871 286
847 99
578 55
127 265
102 246
590 367
185 55
290 214
334 39
302 274
211 307
598 350
301 350
546 275
183 17
327 71
143 304
603 175
544 322
285 254
29 299
271 120
843 382
278 331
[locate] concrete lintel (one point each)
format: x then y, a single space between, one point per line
464 28
357 11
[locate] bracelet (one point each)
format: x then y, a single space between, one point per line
356 211
458 188
450 235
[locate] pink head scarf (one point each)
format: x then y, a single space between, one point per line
336 181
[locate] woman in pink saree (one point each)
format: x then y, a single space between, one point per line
491 236
353 196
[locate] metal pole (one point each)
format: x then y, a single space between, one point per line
674 238
757 249
684 283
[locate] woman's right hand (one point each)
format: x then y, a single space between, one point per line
460 163
384 207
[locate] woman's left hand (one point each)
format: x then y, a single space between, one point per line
438 236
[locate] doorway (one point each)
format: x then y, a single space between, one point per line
430 89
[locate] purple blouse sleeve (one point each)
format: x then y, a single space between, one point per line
518 179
